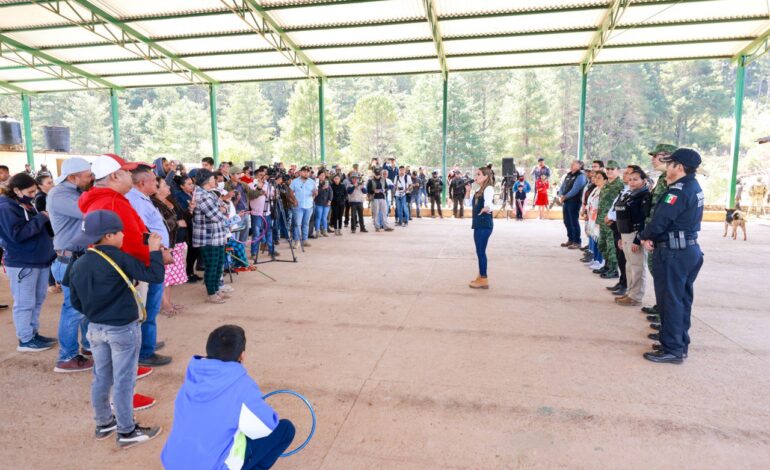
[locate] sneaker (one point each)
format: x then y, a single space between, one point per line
138 436
76 364
155 360
306 244
45 339
143 371
226 288
86 352
106 430
142 402
33 345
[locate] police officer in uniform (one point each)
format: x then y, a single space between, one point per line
673 235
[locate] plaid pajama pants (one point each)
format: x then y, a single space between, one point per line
214 260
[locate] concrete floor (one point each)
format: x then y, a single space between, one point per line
410 369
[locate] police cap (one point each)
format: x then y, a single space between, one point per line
612 164
687 157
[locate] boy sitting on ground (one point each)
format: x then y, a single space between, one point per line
220 418
101 286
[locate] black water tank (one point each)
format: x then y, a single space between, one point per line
10 131
57 138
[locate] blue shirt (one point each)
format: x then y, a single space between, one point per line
679 209
149 214
303 191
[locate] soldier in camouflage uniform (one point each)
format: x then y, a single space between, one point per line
610 191
660 152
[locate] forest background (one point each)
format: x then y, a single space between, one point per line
524 114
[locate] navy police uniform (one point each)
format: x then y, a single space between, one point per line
677 257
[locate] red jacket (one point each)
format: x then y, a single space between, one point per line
133 227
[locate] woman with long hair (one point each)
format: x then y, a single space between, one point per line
176 224
482 223
28 239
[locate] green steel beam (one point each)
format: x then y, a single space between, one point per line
214 122
322 120
115 32
582 116
115 112
473 15
438 40
22 54
609 22
756 49
257 18
390 59
236 34
738 114
445 95
11 87
27 130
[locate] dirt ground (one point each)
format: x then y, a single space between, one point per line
410 369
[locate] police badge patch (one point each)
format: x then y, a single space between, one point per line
670 199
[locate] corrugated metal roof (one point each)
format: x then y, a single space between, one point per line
140 43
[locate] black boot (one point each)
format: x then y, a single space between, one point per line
610 274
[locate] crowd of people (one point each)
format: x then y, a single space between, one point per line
631 220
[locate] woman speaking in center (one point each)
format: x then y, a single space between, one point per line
482 223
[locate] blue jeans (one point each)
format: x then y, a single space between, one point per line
262 226
571 215
70 320
29 286
481 238
402 210
321 218
423 200
301 222
149 326
594 247
115 352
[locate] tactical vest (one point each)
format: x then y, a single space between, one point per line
569 182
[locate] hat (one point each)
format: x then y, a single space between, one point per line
612 164
305 168
96 225
663 148
109 163
685 156
72 166
377 171
435 172
353 175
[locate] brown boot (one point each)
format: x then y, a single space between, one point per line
479 283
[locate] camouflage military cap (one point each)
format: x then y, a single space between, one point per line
663 148
612 164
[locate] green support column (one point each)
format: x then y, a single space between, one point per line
27 130
582 118
443 137
214 130
739 82
321 120
115 111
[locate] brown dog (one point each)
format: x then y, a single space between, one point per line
734 218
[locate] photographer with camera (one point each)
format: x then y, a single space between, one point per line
261 215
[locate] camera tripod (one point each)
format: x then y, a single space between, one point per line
279 215
507 196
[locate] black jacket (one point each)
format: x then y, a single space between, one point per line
434 186
100 293
339 194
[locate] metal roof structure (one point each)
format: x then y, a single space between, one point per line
67 45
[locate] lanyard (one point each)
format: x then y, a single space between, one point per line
128 282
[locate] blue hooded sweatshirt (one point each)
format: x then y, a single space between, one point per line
217 408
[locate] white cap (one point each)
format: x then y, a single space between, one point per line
109 163
71 166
